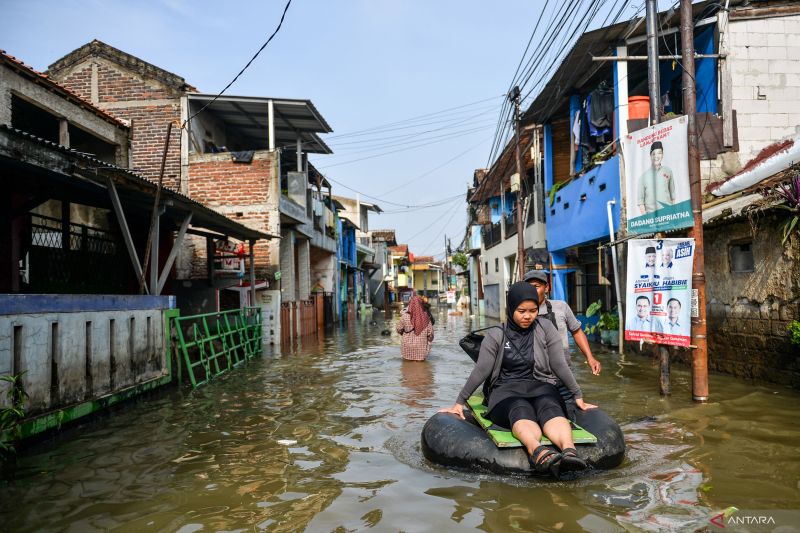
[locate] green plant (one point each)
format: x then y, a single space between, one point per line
12 414
460 259
554 189
794 329
608 319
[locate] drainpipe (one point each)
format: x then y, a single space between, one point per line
616 273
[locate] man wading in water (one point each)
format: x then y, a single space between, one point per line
562 317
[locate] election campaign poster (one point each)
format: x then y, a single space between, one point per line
659 294
657 177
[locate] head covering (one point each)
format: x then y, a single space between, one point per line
538 275
650 250
656 146
518 293
521 338
419 317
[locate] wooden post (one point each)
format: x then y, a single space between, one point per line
663 357
700 354
252 274
154 216
126 234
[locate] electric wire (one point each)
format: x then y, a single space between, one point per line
428 227
418 141
385 201
420 145
444 228
452 122
429 172
417 118
274 33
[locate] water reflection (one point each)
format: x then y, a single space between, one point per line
325 436
417 378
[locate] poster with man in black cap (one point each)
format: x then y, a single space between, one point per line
657 177
658 299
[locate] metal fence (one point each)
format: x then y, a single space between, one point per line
491 234
75 259
214 343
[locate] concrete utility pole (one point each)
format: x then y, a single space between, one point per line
446 266
700 356
653 78
514 96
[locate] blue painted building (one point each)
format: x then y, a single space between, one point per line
346 256
583 110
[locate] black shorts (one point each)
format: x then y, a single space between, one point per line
540 409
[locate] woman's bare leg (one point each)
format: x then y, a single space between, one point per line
528 433
559 431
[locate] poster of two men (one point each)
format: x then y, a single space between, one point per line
658 296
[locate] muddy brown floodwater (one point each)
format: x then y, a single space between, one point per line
326 438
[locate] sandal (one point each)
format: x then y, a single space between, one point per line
544 460
571 462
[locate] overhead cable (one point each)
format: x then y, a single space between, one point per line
283 16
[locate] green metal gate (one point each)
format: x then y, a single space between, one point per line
214 343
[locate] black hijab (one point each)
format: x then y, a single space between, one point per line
520 338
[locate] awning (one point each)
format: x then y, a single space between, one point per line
249 116
53 167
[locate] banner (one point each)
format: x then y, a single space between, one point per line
659 291
657 177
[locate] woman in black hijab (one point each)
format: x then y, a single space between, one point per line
522 362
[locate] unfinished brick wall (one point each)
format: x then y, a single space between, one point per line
748 312
242 192
146 102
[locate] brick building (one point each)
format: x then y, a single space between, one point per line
80 324
246 157
144 95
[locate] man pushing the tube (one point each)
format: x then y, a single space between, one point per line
562 317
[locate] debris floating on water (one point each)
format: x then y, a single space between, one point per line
287 442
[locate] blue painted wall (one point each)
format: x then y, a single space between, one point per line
347 243
705 73
574 109
17 304
572 220
548 157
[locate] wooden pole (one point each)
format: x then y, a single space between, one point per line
154 216
700 354
515 96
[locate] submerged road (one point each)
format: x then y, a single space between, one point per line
325 437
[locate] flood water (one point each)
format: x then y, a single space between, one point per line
326 438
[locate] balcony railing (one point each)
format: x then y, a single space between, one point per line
491 234
510 222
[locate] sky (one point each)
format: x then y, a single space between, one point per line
412 88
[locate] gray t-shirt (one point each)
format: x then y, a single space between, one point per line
565 321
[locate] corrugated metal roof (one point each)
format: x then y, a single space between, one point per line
204 216
737 208
250 115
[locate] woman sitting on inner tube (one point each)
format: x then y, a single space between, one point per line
522 383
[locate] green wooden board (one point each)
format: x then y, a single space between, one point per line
504 439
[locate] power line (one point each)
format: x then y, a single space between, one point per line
428 227
419 140
383 200
444 227
424 144
451 123
412 180
412 119
283 15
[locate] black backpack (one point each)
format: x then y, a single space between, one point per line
471 343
